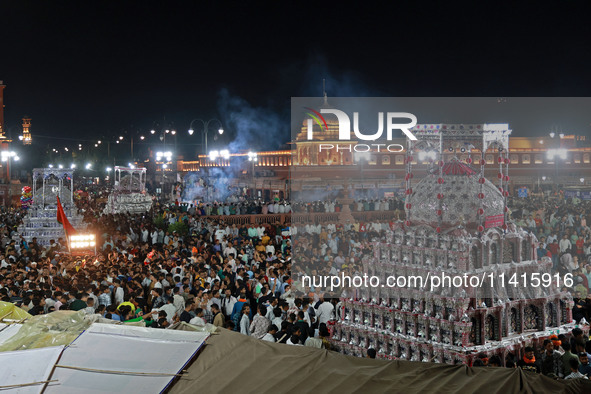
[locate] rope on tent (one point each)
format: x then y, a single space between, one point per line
117 372
13 386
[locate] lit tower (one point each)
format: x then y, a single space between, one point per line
26 137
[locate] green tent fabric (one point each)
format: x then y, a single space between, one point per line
234 363
11 312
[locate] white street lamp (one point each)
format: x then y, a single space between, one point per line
225 154
60 166
88 166
72 166
206 128
152 131
108 169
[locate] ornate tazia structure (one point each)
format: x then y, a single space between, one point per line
129 193
456 225
41 220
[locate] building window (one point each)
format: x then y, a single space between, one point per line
399 160
514 159
577 158
537 159
586 158
525 159
385 160
490 159
372 160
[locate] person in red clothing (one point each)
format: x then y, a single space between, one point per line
555 250
580 244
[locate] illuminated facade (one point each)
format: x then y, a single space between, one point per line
26 137
531 164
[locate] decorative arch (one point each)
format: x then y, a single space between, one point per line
476 255
525 250
514 321
490 328
508 251
531 318
551 318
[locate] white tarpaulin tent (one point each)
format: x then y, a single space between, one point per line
124 359
8 331
23 371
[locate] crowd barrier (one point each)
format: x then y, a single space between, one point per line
304 218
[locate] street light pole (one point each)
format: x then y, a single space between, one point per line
206 128
7 157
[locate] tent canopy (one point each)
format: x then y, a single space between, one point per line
233 363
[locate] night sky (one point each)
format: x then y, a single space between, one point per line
84 70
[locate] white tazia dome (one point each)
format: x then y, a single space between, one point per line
460 202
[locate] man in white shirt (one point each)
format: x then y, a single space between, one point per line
325 311
270 336
228 302
198 319
245 320
230 249
564 244
119 293
170 310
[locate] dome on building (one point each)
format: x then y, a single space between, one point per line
328 131
460 202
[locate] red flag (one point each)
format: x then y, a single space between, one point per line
63 219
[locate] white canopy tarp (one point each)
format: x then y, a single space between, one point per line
8 331
25 367
124 359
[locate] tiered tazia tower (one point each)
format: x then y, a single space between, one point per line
457 225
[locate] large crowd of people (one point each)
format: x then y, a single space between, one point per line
189 264
562 229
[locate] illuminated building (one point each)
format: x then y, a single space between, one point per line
531 165
26 137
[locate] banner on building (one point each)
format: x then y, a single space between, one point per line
494 221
